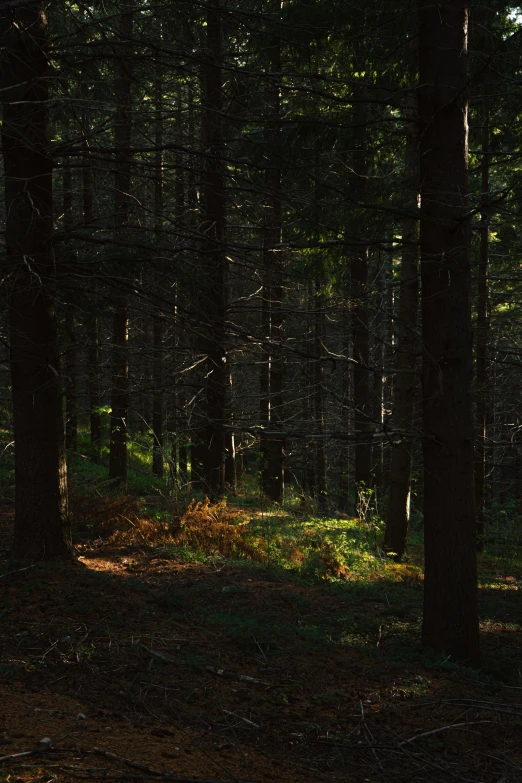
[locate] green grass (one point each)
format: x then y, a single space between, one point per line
87 475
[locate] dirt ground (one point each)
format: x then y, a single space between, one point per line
130 665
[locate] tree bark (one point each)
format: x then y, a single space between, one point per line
450 623
41 519
398 517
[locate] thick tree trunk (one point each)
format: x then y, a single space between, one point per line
398 516
272 446
210 448
41 519
450 623
481 380
122 188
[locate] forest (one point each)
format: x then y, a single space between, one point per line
260 434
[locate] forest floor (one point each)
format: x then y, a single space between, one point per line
157 656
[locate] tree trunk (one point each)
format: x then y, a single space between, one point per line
378 379
210 448
119 393
71 370
41 520
157 396
450 624
93 384
481 380
122 188
320 448
272 444
158 319
398 517
71 383
346 409
361 375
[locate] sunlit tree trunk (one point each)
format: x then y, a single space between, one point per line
41 519
450 623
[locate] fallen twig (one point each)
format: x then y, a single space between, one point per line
19 755
18 570
233 676
157 654
250 722
442 728
156 773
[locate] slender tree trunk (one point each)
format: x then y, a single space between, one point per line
230 463
122 188
450 623
359 293
93 383
346 415
481 339
41 519
361 375
158 318
71 382
92 325
272 444
71 370
398 516
320 447
209 454
119 393
378 379
157 395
